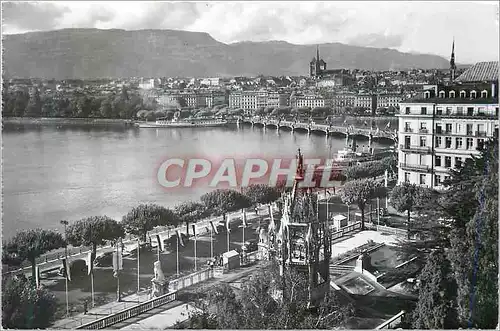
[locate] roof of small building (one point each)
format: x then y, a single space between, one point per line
481 71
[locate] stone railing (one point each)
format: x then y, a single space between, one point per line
191 279
345 230
392 322
125 314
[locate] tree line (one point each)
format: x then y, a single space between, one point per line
94 231
119 105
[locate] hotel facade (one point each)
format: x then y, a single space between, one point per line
445 125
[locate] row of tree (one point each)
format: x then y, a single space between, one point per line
122 105
93 231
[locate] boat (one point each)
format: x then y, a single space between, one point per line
177 122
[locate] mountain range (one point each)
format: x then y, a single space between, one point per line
95 53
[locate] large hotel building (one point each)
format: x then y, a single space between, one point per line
447 124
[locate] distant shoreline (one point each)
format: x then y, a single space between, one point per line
66 121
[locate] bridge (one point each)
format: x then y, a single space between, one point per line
348 131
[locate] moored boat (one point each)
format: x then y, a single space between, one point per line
184 123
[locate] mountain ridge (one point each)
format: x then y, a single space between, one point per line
118 53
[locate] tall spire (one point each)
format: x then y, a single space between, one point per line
453 67
317 52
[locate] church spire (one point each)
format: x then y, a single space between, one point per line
453 67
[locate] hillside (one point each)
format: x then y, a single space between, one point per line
94 53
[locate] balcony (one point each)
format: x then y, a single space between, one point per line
480 134
415 149
423 131
415 167
443 132
408 130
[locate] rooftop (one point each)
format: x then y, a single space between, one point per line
481 71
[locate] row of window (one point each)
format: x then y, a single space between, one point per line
460 111
438 179
463 94
447 142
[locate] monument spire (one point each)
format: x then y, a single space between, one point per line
453 67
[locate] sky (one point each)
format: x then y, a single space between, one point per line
411 26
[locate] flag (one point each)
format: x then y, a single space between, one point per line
90 262
179 237
66 270
388 125
228 225
345 121
365 123
194 230
160 243
376 132
214 228
207 229
37 276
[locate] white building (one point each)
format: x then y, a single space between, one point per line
446 125
147 84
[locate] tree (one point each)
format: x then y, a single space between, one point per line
26 307
473 248
190 211
436 307
404 198
223 201
30 244
94 231
34 108
146 217
269 300
261 193
106 109
360 191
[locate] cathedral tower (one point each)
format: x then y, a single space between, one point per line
453 67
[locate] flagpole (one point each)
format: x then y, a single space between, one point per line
138 266
66 258
211 242
92 281
178 234
194 233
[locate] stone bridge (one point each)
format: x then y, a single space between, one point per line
347 130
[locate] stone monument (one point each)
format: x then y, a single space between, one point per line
160 284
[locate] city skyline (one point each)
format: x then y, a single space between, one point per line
404 26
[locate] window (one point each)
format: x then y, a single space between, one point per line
422 179
470 143
480 144
423 110
423 125
470 111
439 111
439 129
447 161
438 161
462 94
421 159
469 129
452 94
407 176
459 128
480 130
407 142
496 111
458 162
458 143
447 142
407 127
484 94
473 94
427 94
448 110
438 141
460 110
441 94
448 127
423 141
437 180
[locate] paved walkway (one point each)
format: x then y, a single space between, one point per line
360 238
101 311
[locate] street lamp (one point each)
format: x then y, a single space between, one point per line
65 223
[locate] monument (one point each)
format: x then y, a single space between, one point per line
160 284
